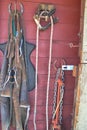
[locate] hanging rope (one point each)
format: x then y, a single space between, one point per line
49 67
35 105
37 38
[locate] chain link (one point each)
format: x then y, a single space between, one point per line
55 91
61 104
59 71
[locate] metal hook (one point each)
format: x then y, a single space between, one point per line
54 64
21 6
9 8
63 62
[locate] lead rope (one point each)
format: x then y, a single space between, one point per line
50 53
35 105
49 67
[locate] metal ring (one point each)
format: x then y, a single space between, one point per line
10 10
21 8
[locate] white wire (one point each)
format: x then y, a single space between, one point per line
48 80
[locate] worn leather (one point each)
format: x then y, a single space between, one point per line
30 70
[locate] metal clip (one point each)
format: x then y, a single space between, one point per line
67 67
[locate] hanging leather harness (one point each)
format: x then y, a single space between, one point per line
13 78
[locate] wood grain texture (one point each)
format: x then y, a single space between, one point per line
65 32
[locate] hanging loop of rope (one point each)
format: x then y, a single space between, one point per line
48 80
44 12
37 38
35 105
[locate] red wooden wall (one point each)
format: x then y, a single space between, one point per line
65 32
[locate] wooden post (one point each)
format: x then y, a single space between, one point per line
80 102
